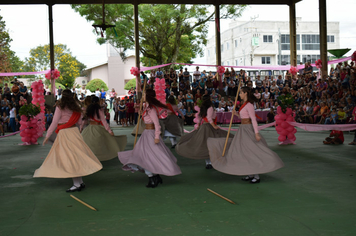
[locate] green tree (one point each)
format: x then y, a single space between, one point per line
130 84
96 84
168 33
9 62
67 64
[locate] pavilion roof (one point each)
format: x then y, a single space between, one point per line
212 2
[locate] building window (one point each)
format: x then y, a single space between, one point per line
266 60
235 43
331 39
310 42
285 43
286 59
267 39
236 62
227 46
222 47
310 58
227 63
208 53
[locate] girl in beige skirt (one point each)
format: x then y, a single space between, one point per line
69 156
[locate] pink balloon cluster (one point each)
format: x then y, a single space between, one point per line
318 63
33 128
196 119
283 128
293 70
53 74
221 70
134 71
160 86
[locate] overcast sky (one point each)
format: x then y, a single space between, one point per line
28 26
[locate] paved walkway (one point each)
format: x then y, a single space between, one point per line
313 195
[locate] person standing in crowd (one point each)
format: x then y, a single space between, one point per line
103 94
196 73
159 74
49 118
130 111
98 135
247 153
69 156
113 95
186 75
194 145
13 118
122 113
98 93
150 154
59 92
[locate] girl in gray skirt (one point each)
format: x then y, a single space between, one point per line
247 153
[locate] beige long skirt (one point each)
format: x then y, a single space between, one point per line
104 146
244 154
69 157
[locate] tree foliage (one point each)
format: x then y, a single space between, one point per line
96 84
9 62
67 64
130 84
168 33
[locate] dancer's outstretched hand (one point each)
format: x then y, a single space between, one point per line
111 133
44 141
258 137
156 141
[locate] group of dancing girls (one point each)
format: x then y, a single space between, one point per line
70 157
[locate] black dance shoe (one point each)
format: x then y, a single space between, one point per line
173 146
82 185
254 181
152 182
247 178
208 167
74 189
158 179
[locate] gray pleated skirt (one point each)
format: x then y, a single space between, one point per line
194 145
244 154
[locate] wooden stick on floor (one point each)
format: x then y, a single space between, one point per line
85 204
232 118
226 199
139 114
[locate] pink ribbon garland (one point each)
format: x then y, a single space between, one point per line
313 127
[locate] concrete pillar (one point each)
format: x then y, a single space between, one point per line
292 35
323 37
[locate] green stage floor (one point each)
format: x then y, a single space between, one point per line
314 194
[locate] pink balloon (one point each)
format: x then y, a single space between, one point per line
279 128
289 111
293 139
24 118
33 140
284 125
282 116
289 118
22 134
279 122
294 131
25 139
290 129
277 117
284 132
281 138
291 136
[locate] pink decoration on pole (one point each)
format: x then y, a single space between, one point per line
135 71
221 70
319 63
293 70
53 74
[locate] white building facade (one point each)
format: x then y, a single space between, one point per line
115 72
264 42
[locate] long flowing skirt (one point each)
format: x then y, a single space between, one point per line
156 158
140 129
194 145
103 145
244 154
69 157
172 126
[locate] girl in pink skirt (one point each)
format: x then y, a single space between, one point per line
150 155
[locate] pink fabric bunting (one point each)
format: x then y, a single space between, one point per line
313 127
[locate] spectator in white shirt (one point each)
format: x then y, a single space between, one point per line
98 93
197 74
